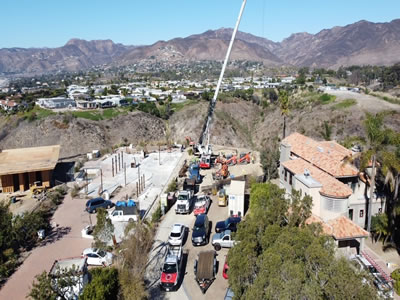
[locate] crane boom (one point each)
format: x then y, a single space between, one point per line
206 130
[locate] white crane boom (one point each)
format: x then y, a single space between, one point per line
206 133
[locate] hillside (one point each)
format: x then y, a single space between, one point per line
237 123
79 136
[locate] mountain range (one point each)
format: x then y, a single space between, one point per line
359 43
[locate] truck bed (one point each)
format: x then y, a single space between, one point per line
205 265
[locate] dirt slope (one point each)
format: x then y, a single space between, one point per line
79 136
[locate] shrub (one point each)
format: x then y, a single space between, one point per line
190 151
396 277
172 187
156 216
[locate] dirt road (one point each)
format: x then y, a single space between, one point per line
366 102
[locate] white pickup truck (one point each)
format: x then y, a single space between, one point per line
124 214
184 202
223 240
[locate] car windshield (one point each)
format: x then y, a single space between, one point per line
175 234
101 253
182 197
227 222
221 193
199 204
169 268
200 227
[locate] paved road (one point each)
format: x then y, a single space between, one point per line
66 242
189 288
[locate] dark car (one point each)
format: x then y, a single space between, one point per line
228 224
93 204
201 230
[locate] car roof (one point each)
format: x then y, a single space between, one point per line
90 250
177 227
200 219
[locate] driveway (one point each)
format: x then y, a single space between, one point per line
66 242
189 288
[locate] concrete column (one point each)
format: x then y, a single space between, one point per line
362 241
21 182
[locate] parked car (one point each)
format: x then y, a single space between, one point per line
228 224
225 268
177 235
223 240
229 294
93 204
222 198
201 205
201 230
97 257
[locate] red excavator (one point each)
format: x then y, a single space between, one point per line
221 173
244 158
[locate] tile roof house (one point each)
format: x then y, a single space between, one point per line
322 170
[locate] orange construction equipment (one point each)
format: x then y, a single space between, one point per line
244 158
221 173
231 161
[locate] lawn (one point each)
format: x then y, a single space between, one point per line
37 113
97 115
346 103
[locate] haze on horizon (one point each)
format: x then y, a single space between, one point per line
47 23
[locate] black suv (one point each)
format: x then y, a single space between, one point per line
201 230
93 204
228 224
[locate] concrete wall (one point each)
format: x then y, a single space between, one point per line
313 192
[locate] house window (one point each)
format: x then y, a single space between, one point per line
351 214
379 210
361 213
286 175
290 178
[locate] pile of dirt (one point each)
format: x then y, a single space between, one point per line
78 136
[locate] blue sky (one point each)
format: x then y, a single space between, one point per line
51 23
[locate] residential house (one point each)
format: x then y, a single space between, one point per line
9 105
84 104
322 170
56 103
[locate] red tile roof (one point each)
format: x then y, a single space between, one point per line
344 228
328 156
331 187
341 228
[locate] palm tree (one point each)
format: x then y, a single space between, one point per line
375 137
284 105
391 171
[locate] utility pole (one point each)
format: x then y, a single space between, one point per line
101 179
125 173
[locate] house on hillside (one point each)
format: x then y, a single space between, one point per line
338 189
8 105
56 103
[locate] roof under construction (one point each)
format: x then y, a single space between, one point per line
23 160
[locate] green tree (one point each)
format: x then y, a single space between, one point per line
285 259
104 229
269 157
6 240
284 105
133 260
55 286
326 131
375 137
104 285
